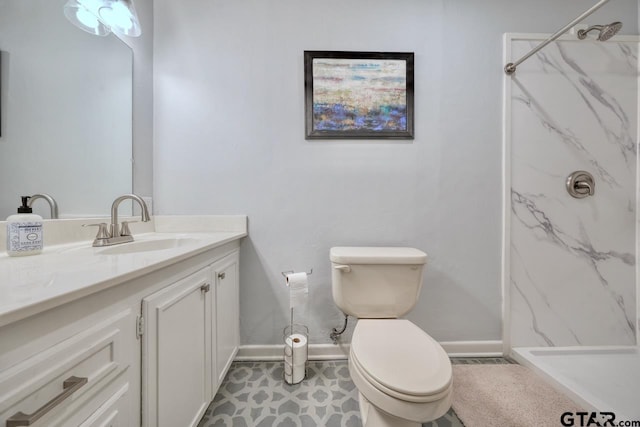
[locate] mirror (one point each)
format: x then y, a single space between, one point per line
65 112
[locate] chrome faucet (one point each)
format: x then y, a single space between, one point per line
117 234
52 203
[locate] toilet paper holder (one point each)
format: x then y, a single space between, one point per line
295 370
284 273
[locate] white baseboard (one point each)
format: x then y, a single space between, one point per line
251 353
473 348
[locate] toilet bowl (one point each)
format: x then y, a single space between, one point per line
403 375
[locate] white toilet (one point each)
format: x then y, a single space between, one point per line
402 374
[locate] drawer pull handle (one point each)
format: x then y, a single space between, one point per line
221 276
70 386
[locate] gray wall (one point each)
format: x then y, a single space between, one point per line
229 139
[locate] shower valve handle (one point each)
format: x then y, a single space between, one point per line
583 187
581 184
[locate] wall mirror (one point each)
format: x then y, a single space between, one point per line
65 112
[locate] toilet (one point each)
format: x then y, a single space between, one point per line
403 375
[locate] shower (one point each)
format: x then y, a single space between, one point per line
571 267
606 32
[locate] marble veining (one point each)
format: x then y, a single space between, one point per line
567 137
573 261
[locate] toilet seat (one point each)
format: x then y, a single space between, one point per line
401 360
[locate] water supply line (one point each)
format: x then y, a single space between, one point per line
510 68
335 333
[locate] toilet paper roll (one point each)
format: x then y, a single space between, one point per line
296 349
289 368
298 289
294 374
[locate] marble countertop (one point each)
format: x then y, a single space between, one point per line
65 272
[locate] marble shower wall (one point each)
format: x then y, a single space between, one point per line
573 106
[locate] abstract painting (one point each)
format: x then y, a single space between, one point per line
365 95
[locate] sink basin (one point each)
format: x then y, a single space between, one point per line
147 246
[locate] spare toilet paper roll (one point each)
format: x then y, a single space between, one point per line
288 368
294 374
296 349
298 289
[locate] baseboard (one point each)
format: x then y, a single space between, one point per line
473 348
250 353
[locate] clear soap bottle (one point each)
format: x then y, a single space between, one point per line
24 231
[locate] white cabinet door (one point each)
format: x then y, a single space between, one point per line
227 322
177 352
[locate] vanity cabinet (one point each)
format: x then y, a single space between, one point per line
151 350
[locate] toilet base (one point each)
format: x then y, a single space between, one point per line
374 417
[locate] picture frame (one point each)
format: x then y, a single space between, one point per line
359 95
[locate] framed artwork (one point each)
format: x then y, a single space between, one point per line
361 95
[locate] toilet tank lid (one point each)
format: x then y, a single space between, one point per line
377 255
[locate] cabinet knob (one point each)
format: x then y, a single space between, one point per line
205 288
221 276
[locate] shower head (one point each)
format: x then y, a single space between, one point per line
609 31
606 31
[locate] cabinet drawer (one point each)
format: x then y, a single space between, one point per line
113 413
62 385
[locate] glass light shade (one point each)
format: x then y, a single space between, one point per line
120 16
83 18
100 17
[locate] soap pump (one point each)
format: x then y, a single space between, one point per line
24 231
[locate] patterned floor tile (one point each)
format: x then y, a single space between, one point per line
253 394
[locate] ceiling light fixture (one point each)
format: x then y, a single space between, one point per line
118 16
82 18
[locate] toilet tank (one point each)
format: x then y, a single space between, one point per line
376 282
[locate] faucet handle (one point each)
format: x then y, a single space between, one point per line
103 233
124 228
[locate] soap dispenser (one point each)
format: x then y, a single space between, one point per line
24 231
